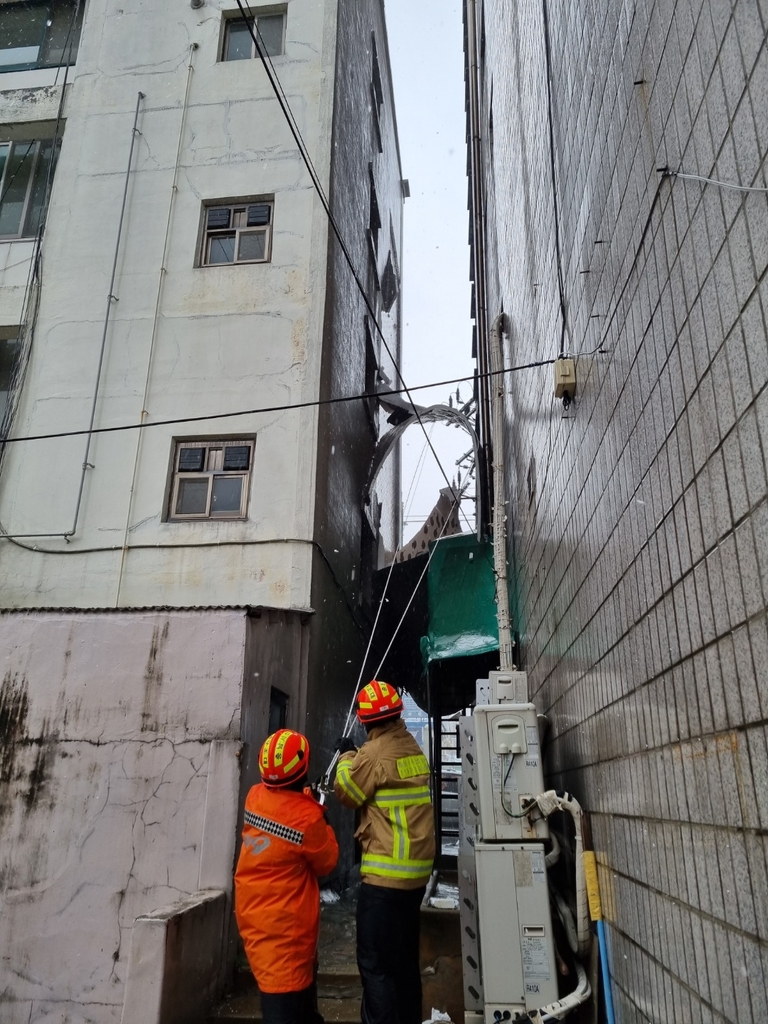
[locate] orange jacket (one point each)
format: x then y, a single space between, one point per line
287 843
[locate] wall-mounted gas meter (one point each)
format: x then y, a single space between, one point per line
509 771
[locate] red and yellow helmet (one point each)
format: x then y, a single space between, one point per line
378 702
283 758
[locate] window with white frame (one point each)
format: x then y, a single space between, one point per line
24 172
237 233
238 42
210 479
39 33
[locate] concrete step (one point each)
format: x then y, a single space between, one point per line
339 993
247 1010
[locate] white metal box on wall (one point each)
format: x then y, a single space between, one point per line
518 953
508 770
501 687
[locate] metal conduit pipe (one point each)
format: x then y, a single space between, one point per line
477 227
110 298
155 319
66 534
499 498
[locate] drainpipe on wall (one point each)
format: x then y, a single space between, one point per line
495 344
111 297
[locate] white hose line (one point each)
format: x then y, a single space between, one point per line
562 1007
349 722
547 803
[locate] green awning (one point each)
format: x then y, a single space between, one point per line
461 594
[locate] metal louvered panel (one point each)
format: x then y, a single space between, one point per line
237 456
218 217
468 818
191 460
258 215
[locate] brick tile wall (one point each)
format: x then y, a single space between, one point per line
640 517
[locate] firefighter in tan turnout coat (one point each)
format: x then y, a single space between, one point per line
387 779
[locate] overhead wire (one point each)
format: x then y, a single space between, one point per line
175 420
252 25
665 172
714 181
348 722
20 164
550 121
411 495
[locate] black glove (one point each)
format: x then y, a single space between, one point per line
344 744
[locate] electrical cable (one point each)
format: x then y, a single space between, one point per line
507 811
325 781
408 502
265 409
714 181
665 173
418 584
558 249
13 176
504 786
326 778
253 29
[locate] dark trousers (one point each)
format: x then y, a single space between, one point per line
388 954
291 1007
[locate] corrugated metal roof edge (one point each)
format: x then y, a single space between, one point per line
247 608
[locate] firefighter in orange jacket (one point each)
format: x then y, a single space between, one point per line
287 844
388 780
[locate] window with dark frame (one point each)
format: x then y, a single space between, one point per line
377 93
237 233
278 710
210 479
24 170
9 351
238 41
369 552
371 379
39 34
374 217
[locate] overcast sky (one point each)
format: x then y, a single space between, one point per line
437 337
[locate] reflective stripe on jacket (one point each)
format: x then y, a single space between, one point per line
287 843
388 779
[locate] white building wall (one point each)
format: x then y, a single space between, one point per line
198 339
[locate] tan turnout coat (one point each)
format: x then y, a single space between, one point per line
388 780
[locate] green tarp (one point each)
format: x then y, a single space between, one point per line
461 593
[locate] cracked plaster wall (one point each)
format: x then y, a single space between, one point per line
119 773
224 337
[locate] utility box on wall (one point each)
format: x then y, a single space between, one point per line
508 770
513 914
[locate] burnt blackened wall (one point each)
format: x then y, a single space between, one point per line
275 659
367 200
641 517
